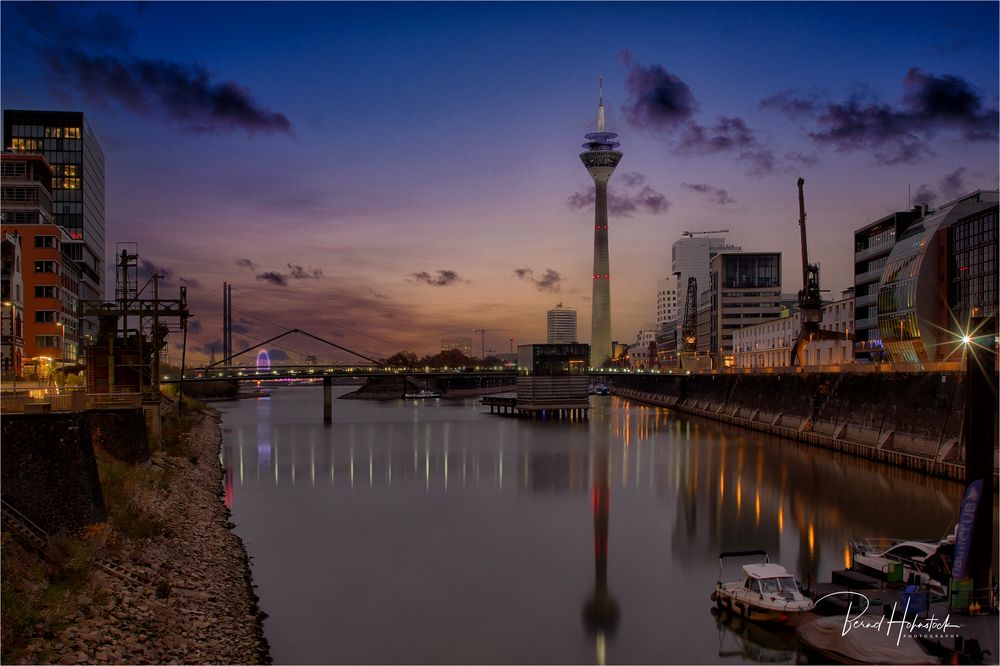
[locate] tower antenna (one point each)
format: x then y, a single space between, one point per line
600 105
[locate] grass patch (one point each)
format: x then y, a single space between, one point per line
123 484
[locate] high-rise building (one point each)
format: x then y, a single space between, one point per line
666 301
561 325
50 276
745 289
600 159
69 144
691 257
872 245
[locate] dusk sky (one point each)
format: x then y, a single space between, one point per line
383 174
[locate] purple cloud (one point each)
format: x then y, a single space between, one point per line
896 133
551 280
273 277
300 273
657 99
247 263
634 197
715 194
949 187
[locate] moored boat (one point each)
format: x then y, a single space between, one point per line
763 592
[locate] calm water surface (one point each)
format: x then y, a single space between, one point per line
432 532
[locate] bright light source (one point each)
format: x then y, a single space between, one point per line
966 340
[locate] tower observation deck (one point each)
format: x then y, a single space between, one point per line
600 158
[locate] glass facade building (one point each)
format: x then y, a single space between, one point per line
745 290
71 147
919 308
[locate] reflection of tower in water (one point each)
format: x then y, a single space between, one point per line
600 611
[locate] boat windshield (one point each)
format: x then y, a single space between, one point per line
778 585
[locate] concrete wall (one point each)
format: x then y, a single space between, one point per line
910 419
120 432
48 471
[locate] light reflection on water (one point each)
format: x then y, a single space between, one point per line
432 532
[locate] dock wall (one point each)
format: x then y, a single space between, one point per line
912 420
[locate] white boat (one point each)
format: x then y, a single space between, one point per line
925 563
424 393
763 592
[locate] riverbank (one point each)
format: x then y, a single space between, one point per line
171 586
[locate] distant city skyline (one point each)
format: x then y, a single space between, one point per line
390 175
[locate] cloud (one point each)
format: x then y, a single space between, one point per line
148 269
194 326
189 282
657 99
550 281
715 194
634 197
276 354
805 159
660 101
378 294
300 273
949 187
442 279
96 62
247 263
274 278
898 132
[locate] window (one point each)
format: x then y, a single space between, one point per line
46 267
48 342
44 291
46 316
46 241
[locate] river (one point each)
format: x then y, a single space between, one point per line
433 532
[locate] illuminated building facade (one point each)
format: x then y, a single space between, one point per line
745 289
560 324
872 245
463 345
50 276
600 159
768 345
69 144
940 269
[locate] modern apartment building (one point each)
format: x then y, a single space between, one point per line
745 289
71 147
12 313
50 275
560 324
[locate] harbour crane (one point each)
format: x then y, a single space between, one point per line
483 332
692 234
810 300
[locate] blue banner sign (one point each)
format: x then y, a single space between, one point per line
966 524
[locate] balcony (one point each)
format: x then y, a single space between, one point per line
866 324
868 276
862 301
874 251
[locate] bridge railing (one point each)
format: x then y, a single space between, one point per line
42 402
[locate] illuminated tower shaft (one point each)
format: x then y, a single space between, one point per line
601 158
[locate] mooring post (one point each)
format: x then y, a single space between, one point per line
327 400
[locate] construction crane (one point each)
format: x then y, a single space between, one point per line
483 332
692 234
810 300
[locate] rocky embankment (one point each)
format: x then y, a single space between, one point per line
182 596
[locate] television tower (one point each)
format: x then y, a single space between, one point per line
601 158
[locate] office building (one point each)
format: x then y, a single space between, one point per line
745 289
642 352
561 325
872 245
71 147
939 270
769 344
50 276
600 159
691 256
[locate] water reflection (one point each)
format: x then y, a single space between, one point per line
402 518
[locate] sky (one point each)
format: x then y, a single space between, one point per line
386 175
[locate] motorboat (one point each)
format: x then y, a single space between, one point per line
421 394
762 592
924 563
599 390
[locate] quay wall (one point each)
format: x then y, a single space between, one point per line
913 420
48 471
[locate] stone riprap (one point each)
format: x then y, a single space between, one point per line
183 596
